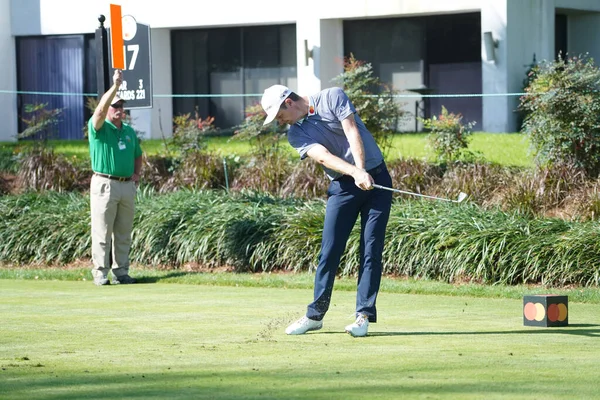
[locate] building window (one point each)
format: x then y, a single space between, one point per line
58 64
560 35
233 62
437 54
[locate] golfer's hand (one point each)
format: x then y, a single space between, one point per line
363 180
118 78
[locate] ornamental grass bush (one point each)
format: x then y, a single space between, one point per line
259 232
41 168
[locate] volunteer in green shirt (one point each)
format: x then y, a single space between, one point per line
116 161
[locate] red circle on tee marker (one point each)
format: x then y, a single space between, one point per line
530 311
553 312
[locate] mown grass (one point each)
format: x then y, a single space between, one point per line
510 149
300 280
73 340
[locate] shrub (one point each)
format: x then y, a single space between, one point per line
198 170
189 133
374 101
41 122
306 180
449 137
266 173
8 160
90 104
563 105
4 186
414 175
486 184
268 164
156 170
264 139
41 169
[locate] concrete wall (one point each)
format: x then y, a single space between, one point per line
325 40
74 16
8 76
523 27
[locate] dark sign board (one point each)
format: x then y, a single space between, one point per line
137 75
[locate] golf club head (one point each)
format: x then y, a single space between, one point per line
462 197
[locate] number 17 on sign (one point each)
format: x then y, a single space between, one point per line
134 49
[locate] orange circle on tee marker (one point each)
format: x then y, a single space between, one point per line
553 312
562 312
530 311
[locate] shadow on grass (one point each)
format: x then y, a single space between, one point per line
240 383
573 329
155 279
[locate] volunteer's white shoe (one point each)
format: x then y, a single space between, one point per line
360 327
303 325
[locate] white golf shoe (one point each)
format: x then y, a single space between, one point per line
360 327
303 325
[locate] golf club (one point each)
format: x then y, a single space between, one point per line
461 196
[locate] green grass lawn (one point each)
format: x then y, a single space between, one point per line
510 149
72 340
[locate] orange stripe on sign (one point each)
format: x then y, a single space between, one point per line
116 37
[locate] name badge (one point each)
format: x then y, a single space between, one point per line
122 146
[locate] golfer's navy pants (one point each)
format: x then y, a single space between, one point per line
345 203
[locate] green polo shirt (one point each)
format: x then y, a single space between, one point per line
113 150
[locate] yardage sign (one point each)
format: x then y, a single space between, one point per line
137 74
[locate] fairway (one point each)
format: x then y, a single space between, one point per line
72 340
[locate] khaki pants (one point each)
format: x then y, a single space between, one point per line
112 206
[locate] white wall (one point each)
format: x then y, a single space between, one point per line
81 15
8 76
325 40
525 27
331 51
25 17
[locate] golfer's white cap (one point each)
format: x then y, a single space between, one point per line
272 99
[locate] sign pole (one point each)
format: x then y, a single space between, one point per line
102 73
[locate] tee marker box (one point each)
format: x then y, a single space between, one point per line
546 310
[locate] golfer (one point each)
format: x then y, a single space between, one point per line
326 128
116 159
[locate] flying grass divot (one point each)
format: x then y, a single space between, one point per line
546 310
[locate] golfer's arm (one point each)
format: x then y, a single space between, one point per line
356 145
102 108
321 155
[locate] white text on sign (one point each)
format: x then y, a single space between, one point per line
138 94
133 48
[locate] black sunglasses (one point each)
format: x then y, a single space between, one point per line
117 105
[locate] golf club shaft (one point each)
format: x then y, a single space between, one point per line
411 193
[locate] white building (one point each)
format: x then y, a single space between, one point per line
241 47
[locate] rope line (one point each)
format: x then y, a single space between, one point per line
204 95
